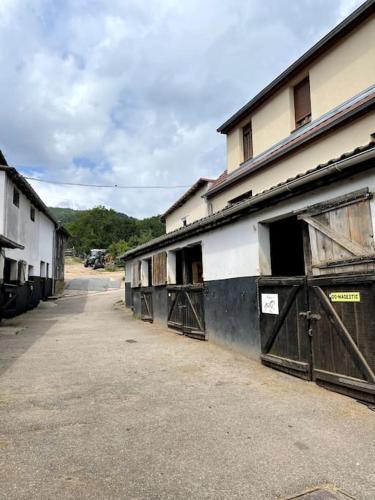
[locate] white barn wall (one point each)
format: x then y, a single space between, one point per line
233 251
2 201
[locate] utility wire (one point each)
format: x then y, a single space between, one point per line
102 185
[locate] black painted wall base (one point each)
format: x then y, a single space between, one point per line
159 302
231 313
128 295
230 306
28 296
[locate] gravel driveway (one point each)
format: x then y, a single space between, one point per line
97 405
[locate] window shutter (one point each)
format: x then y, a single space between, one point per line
302 102
341 238
247 142
159 269
136 274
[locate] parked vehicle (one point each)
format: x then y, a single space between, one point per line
95 259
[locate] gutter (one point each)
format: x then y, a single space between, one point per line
293 187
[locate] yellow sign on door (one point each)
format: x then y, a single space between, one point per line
345 296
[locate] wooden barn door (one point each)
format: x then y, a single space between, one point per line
343 340
186 310
322 326
146 307
284 325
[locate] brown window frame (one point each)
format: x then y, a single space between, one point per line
247 141
302 102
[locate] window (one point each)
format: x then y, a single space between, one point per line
189 265
16 197
302 103
241 197
247 142
32 213
184 222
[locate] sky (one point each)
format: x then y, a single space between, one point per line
131 92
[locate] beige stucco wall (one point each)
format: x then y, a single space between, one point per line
329 147
344 71
193 209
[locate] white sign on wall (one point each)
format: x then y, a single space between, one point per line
270 303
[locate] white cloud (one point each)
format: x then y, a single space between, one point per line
135 90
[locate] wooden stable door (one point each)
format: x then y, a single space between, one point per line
147 313
343 335
321 329
186 310
285 341
321 326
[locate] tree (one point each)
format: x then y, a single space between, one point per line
101 227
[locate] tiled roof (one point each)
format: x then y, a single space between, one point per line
296 139
254 202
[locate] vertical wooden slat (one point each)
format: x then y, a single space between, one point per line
159 269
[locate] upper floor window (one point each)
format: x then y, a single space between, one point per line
16 197
302 102
247 142
241 197
32 213
184 221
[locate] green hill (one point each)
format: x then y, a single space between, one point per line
101 227
64 215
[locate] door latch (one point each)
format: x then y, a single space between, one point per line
310 316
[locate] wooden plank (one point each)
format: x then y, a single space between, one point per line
300 366
194 311
360 223
335 203
351 246
344 333
159 269
344 381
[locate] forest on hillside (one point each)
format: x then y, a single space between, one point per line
102 227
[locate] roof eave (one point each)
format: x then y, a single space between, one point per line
352 163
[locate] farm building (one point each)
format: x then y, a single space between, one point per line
276 257
31 246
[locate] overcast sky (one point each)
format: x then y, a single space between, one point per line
131 92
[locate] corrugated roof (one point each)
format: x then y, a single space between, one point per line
347 25
300 136
254 203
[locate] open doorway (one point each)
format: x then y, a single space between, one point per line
189 267
286 247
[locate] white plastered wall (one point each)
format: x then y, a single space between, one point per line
241 249
193 209
36 236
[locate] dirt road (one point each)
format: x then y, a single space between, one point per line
97 405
